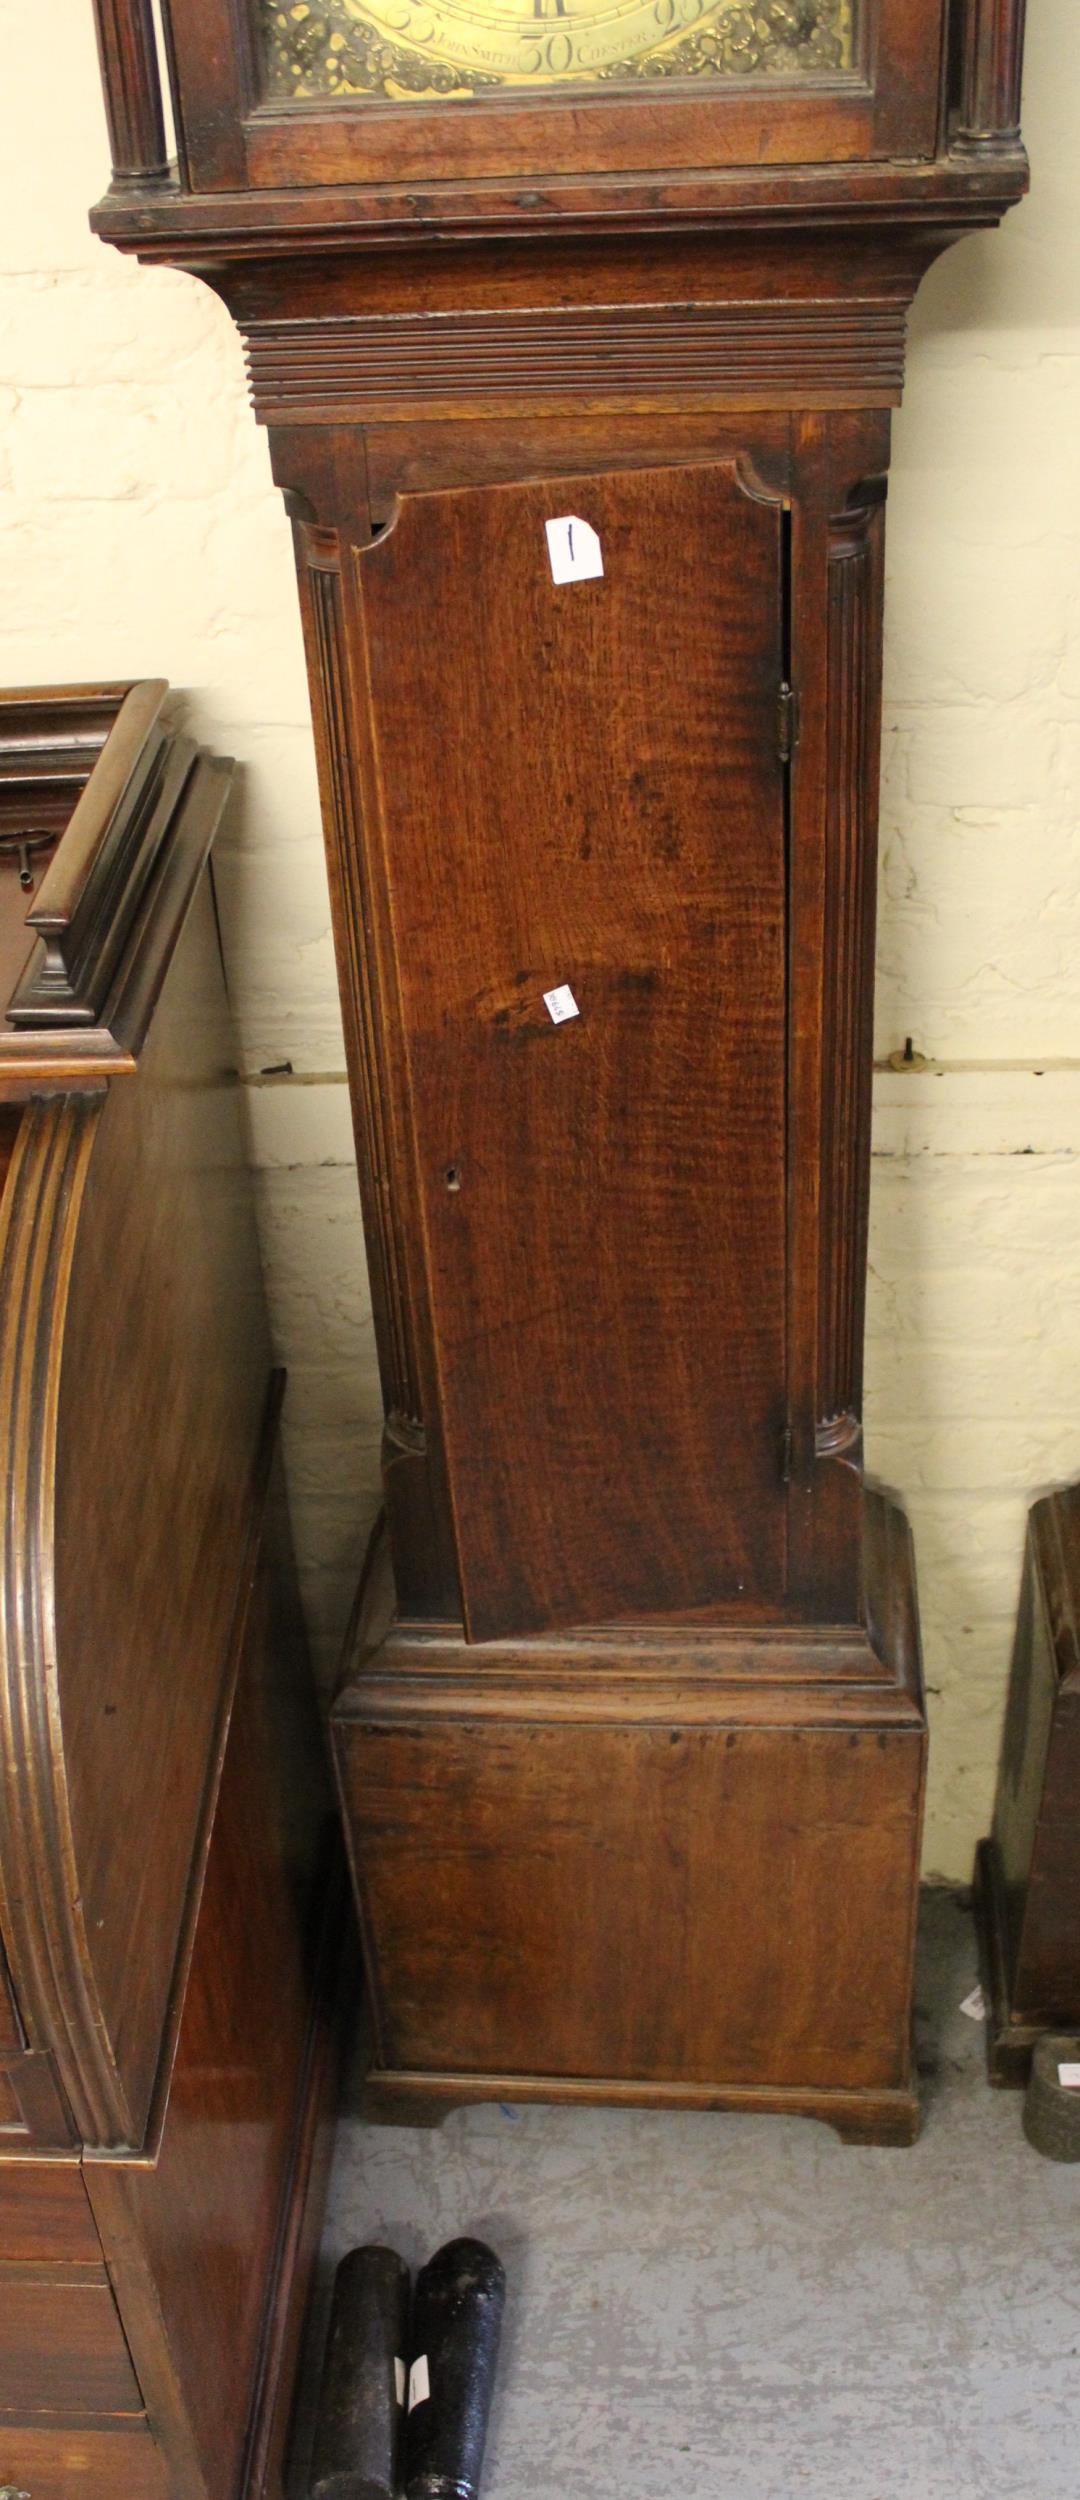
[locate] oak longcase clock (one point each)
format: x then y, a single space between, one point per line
576 325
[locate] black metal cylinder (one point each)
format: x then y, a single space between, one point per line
361 2401
457 2318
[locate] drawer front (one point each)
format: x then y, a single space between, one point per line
45 2217
81 2465
62 2349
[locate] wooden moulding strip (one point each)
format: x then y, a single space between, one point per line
216 227
599 355
68 876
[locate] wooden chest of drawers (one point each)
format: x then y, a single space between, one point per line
166 1834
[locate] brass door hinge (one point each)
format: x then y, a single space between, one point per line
787 722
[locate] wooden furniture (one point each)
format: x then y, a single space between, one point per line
1027 1878
631 1742
164 2045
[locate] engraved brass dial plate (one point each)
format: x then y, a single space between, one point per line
426 48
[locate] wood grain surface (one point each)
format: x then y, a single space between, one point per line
194 2230
45 2215
62 2348
84 2462
609 816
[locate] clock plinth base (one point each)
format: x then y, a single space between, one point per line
662 1865
890 2119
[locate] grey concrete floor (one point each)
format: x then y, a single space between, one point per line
729 2308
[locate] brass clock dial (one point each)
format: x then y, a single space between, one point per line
398 48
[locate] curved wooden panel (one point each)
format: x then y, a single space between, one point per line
42 1911
163 1384
133 1370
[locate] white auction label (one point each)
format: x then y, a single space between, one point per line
574 550
419 2383
1070 2077
561 1004
974 2006
399 2379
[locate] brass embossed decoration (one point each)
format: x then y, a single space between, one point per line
401 48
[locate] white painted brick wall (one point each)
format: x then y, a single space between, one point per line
141 534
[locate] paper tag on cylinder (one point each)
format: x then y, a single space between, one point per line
419 2382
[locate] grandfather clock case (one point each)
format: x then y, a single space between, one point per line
576 325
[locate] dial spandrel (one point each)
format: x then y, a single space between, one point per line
434 48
